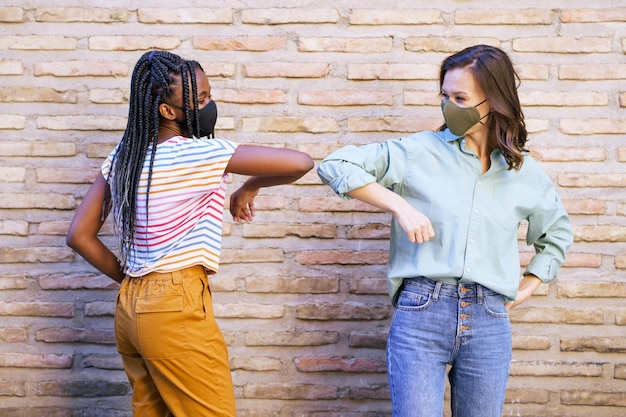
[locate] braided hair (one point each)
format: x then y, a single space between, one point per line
153 77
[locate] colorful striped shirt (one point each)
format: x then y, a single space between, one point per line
186 206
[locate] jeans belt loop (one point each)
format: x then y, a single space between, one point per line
437 290
479 293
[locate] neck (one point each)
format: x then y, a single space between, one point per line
482 143
168 129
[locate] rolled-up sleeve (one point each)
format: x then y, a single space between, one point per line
342 172
352 167
550 232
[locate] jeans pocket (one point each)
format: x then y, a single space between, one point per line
161 326
494 306
413 299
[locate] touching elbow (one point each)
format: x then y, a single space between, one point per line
306 163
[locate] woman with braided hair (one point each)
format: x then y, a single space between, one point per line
165 184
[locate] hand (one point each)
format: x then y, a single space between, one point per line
526 288
415 224
242 204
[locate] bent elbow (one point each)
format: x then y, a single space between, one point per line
308 164
70 239
75 238
304 163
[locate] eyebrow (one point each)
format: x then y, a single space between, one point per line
454 92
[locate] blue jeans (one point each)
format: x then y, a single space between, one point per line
436 325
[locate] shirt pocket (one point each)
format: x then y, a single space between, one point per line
504 209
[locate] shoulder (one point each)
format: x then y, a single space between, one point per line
107 164
423 139
203 148
182 143
531 171
532 167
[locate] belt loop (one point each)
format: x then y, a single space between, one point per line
177 276
437 290
479 293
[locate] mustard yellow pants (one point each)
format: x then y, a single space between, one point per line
173 352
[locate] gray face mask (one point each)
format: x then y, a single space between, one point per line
460 119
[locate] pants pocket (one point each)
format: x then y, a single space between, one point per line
161 326
495 307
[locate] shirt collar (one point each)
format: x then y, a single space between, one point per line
450 137
497 159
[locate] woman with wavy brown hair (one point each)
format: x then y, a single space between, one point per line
458 196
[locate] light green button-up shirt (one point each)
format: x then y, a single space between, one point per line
475 216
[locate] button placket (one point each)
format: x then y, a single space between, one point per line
465 312
471 250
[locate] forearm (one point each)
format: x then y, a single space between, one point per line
100 257
261 181
242 200
82 235
379 196
414 223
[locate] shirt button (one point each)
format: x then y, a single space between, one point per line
468 270
476 211
471 241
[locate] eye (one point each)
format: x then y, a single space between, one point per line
202 99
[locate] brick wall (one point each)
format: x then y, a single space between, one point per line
301 292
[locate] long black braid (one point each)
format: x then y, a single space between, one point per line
151 82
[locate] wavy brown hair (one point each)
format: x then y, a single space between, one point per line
494 72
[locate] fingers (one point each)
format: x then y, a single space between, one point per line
424 233
242 213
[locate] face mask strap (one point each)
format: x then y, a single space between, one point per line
480 103
481 119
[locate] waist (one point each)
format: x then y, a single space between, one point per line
447 289
174 275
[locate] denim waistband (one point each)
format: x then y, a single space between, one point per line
439 288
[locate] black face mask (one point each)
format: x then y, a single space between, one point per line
207 117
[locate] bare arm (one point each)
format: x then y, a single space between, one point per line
82 235
268 167
414 223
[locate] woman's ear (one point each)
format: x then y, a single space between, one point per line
167 111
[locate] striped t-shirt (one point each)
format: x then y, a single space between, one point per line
187 193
